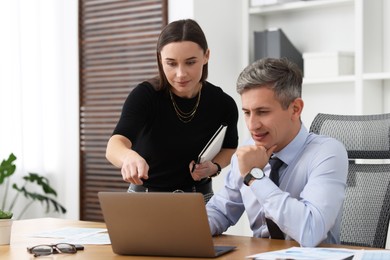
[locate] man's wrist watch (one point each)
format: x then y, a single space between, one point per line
254 174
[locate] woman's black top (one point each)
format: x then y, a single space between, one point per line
168 145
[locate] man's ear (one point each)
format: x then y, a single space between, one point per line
297 107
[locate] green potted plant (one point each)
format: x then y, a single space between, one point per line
7 169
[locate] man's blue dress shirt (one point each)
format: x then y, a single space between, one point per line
307 205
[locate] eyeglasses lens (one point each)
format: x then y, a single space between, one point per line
66 248
42 250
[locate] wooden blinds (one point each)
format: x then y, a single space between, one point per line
117 51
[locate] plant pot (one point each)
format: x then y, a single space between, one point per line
5 231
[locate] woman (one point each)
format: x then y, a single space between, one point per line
166 121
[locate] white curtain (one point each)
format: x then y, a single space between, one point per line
39 93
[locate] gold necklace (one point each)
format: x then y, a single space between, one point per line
185 117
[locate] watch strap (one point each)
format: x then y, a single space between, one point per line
248 177
219 169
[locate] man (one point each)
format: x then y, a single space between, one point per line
307 204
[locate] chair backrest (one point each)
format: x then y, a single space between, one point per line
366 209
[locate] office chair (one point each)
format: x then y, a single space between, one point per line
366 208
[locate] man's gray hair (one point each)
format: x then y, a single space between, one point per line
280 75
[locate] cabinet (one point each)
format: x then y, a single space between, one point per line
358 26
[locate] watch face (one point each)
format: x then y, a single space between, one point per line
257 173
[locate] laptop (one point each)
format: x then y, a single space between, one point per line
159 224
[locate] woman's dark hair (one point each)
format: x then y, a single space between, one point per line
178 31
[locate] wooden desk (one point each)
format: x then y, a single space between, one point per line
20 241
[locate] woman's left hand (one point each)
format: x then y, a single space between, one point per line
202 170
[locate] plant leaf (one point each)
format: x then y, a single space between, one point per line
42 198
5 214
41 181
7 168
